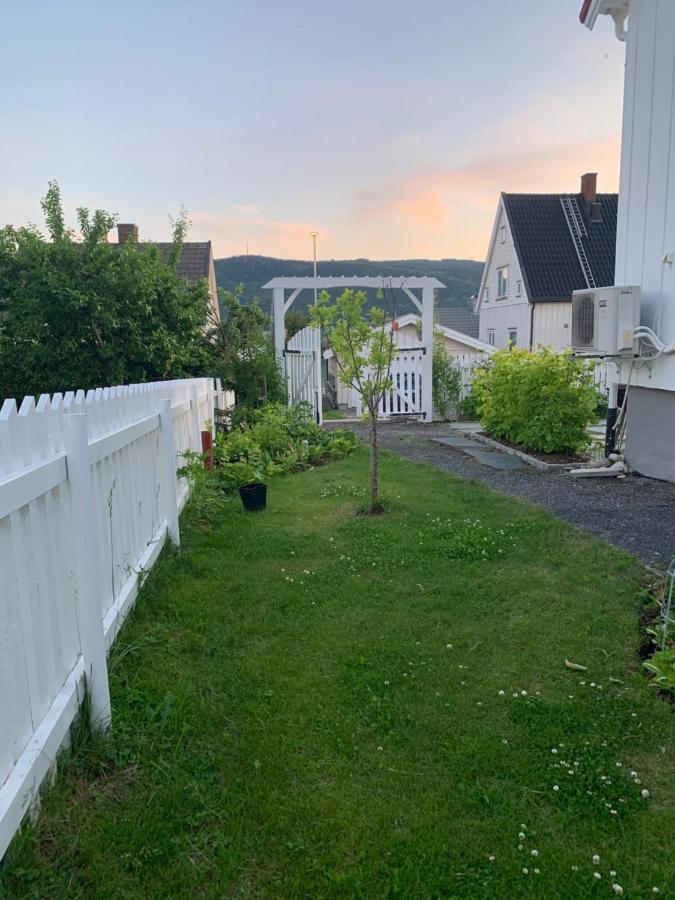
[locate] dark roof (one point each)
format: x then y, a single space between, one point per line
193 262
459 319
546 252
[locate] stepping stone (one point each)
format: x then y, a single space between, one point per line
496 460
459 443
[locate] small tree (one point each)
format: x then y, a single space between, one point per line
446 381
363 347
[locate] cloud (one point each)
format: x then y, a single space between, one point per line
449 209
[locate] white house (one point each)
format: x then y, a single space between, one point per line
465 350
645 251
542 248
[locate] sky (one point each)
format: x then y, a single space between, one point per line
388 126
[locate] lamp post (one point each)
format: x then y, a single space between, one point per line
315 235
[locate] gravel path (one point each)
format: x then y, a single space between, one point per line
636 514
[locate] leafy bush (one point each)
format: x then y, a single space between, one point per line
662 667
468 407
267 441
540 400
446 382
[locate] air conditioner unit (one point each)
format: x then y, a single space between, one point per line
604 321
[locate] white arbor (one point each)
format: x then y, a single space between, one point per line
419 289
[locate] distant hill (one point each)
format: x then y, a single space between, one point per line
461 276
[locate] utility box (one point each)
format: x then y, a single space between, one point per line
604 321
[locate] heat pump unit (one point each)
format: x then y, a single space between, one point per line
604 321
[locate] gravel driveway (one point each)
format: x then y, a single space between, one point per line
636 514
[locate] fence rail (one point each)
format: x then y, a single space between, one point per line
88 496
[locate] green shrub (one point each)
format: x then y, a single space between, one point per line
266 441
540 400
468 407
446 381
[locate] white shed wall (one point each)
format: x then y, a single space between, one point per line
646 223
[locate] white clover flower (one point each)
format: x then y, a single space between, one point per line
617 889
555 787
655 890
633 774
379 748
596 860
597 875
523 826
501 693
553 750
612 873
575 868
537 871
534 853
520 846
525 871
491 858
644 793
523 693
521 836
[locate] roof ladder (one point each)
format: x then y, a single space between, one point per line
577 229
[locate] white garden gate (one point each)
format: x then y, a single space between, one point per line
302 365
413 384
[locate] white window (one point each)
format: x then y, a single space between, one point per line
513 337
502 234
486 293
502 282
519 288
491 337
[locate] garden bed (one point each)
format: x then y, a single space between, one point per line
309 703
554 459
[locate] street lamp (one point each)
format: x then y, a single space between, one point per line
315 235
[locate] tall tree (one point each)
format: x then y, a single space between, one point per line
245 353
78 312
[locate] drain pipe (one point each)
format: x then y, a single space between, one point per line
612 412
531 325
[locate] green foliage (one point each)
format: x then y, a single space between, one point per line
662 666
446 378
361 343
364 349
542 400
79 312
295 321
244 348
271 440
468 407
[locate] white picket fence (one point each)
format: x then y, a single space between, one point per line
88 496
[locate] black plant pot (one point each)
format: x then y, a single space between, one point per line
254 496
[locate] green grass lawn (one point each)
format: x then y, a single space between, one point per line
310 703
333 414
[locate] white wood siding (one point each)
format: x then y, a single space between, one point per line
512 311
552 325
646 223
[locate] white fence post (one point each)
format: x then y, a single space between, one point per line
85 534
194 419
169 470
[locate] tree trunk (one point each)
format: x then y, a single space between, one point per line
374 501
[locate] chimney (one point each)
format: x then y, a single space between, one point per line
589 186
126 231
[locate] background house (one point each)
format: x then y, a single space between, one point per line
645 247
194 263
543 247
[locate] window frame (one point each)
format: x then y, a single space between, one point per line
500 277
519 287
491 337
513 341
502 234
